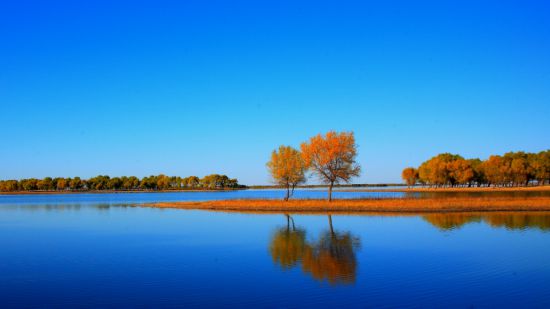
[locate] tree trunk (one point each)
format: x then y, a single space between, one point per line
287 192
330 191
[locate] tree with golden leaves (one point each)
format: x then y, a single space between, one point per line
288 245
287 168
332 157
410 175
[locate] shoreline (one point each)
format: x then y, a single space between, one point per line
391 205
111 191
456 189
344 189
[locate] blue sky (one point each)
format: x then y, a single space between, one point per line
199 87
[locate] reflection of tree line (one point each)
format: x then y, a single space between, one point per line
329 258
458 194
508 220
64 207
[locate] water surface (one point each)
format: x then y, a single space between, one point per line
94 251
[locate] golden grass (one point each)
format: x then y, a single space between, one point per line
457 189
407 205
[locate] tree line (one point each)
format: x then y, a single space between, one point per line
331 157
124 183
508 170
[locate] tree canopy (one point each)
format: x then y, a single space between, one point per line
124 183
332 157
511 169
287 168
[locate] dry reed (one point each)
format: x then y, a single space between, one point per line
406 205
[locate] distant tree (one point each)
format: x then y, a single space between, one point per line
461 171
332 158
45 184
479 174
410 176
233 183
75 183
441 170
193 181
104 182
61 184
494 170
163 182
519 168
9 185
29 184
287 168
541 167
114 183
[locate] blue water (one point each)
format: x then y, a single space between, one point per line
145 197
93 251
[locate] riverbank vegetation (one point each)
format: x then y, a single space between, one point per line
447 204
125 183
512 169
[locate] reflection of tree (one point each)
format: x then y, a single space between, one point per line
331 257
450 221
520 221
511 220
287 245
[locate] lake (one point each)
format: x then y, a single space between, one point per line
100 250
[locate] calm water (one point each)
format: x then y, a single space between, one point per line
92 251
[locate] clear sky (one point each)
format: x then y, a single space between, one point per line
199 87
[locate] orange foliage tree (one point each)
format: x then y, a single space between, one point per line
511 169
332 157
287 168
410 175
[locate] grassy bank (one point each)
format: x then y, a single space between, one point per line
455 189
407 205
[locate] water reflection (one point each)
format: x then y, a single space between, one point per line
510 220
331 257
465 194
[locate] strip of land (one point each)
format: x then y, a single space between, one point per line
113 191
405 205
451 189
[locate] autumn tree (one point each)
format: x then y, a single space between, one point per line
479 174
541 167
61 184
287 168
461 171
75 183
163 182
45 184
192 181
494 171
410 176
332 158
104 182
